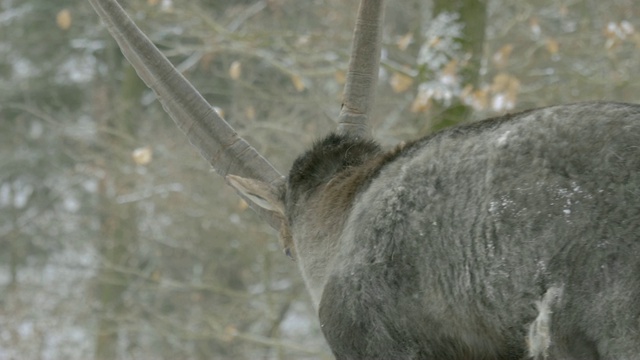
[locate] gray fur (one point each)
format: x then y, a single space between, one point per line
447 244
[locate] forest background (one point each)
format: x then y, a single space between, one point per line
118 241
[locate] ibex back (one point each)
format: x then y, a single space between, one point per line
509 238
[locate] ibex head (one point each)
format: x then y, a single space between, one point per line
314 200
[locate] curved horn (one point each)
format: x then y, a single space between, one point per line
215 139
362 76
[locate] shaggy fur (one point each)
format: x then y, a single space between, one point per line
455 246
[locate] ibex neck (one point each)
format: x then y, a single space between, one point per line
323 185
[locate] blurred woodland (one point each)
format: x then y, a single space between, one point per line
118 241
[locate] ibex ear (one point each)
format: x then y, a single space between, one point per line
265 195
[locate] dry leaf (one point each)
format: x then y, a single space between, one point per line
235 70
480 99
610 30
400 82
505 89
196 297
219 110
298 83
636 39
250 112
504 82
552 46
433 42
142 156
303 40
230 332
466 92
500 82
205 61
242 205
512 91
611 43
422 102
534 25
63 19
404 41
501 57
449 72
340 77
627 28
152 2
617 33
564 10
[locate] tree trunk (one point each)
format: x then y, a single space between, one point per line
118 221
473 16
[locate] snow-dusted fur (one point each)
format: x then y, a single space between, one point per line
512 237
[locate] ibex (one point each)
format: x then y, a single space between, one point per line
510 238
